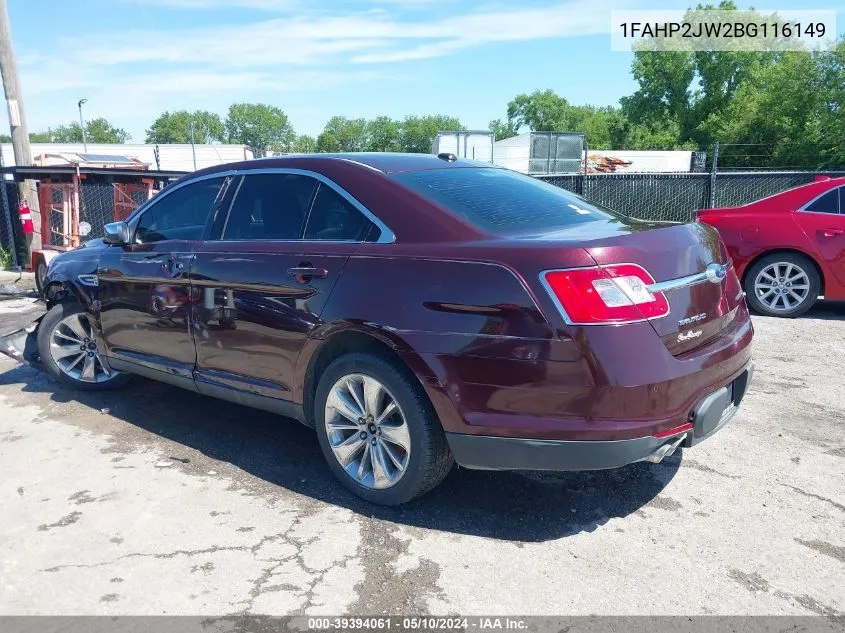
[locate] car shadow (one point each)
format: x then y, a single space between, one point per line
827 310
513 506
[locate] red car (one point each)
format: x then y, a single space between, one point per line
788 248
415 311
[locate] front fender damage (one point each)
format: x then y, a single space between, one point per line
19 321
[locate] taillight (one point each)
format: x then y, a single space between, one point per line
607 294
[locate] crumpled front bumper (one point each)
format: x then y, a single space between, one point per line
19 322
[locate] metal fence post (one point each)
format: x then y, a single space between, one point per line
713 175
584 148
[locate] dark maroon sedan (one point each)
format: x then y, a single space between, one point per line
415 310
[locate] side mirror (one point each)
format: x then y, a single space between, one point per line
116 233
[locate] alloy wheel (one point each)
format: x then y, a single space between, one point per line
74 350
782 286
367 431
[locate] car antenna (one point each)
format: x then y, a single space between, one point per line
447 156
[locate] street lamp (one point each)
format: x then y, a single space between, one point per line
82 124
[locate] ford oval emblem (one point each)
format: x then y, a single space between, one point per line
716 272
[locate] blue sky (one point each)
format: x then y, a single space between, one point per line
133 59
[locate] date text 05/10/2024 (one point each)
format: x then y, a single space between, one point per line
426 623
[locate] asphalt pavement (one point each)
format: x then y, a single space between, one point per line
154 500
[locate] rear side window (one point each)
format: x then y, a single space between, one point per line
179 215
828 203
501 201
270 207
333 218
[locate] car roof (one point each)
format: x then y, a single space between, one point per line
385 162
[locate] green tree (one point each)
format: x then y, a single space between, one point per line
541 111
175 127
689 88
39 137
5 138
787 114
417 133
259 126
545 111
101 131
343 135
502 129
383 135
70 133
96 131
304 144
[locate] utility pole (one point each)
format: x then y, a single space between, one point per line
17 123
82 124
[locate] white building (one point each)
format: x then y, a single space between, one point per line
177 157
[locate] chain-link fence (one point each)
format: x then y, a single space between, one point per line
570 182
674 197
99 203
645 195
735 188
13 241
665 197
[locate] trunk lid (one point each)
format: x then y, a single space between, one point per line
698 313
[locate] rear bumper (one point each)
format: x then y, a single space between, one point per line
484 452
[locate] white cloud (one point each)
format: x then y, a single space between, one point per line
317 38
302 48
263 5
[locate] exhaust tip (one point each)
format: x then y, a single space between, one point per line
665 450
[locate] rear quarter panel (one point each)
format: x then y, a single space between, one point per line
749 234
457 324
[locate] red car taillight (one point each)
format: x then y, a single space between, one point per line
607 294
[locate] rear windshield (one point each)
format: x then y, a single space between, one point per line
503 202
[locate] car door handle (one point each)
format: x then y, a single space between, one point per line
832 232
308 272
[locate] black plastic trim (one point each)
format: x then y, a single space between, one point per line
485 452
281 407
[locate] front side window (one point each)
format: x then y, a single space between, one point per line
270 207
333 218
180 215
503 202
828 203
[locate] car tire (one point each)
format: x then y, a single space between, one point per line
40 276
402 474
775 282
62 333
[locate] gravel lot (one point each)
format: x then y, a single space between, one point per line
154 500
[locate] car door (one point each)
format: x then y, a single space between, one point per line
261 287
144 287
823 222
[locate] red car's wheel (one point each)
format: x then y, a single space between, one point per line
782 284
